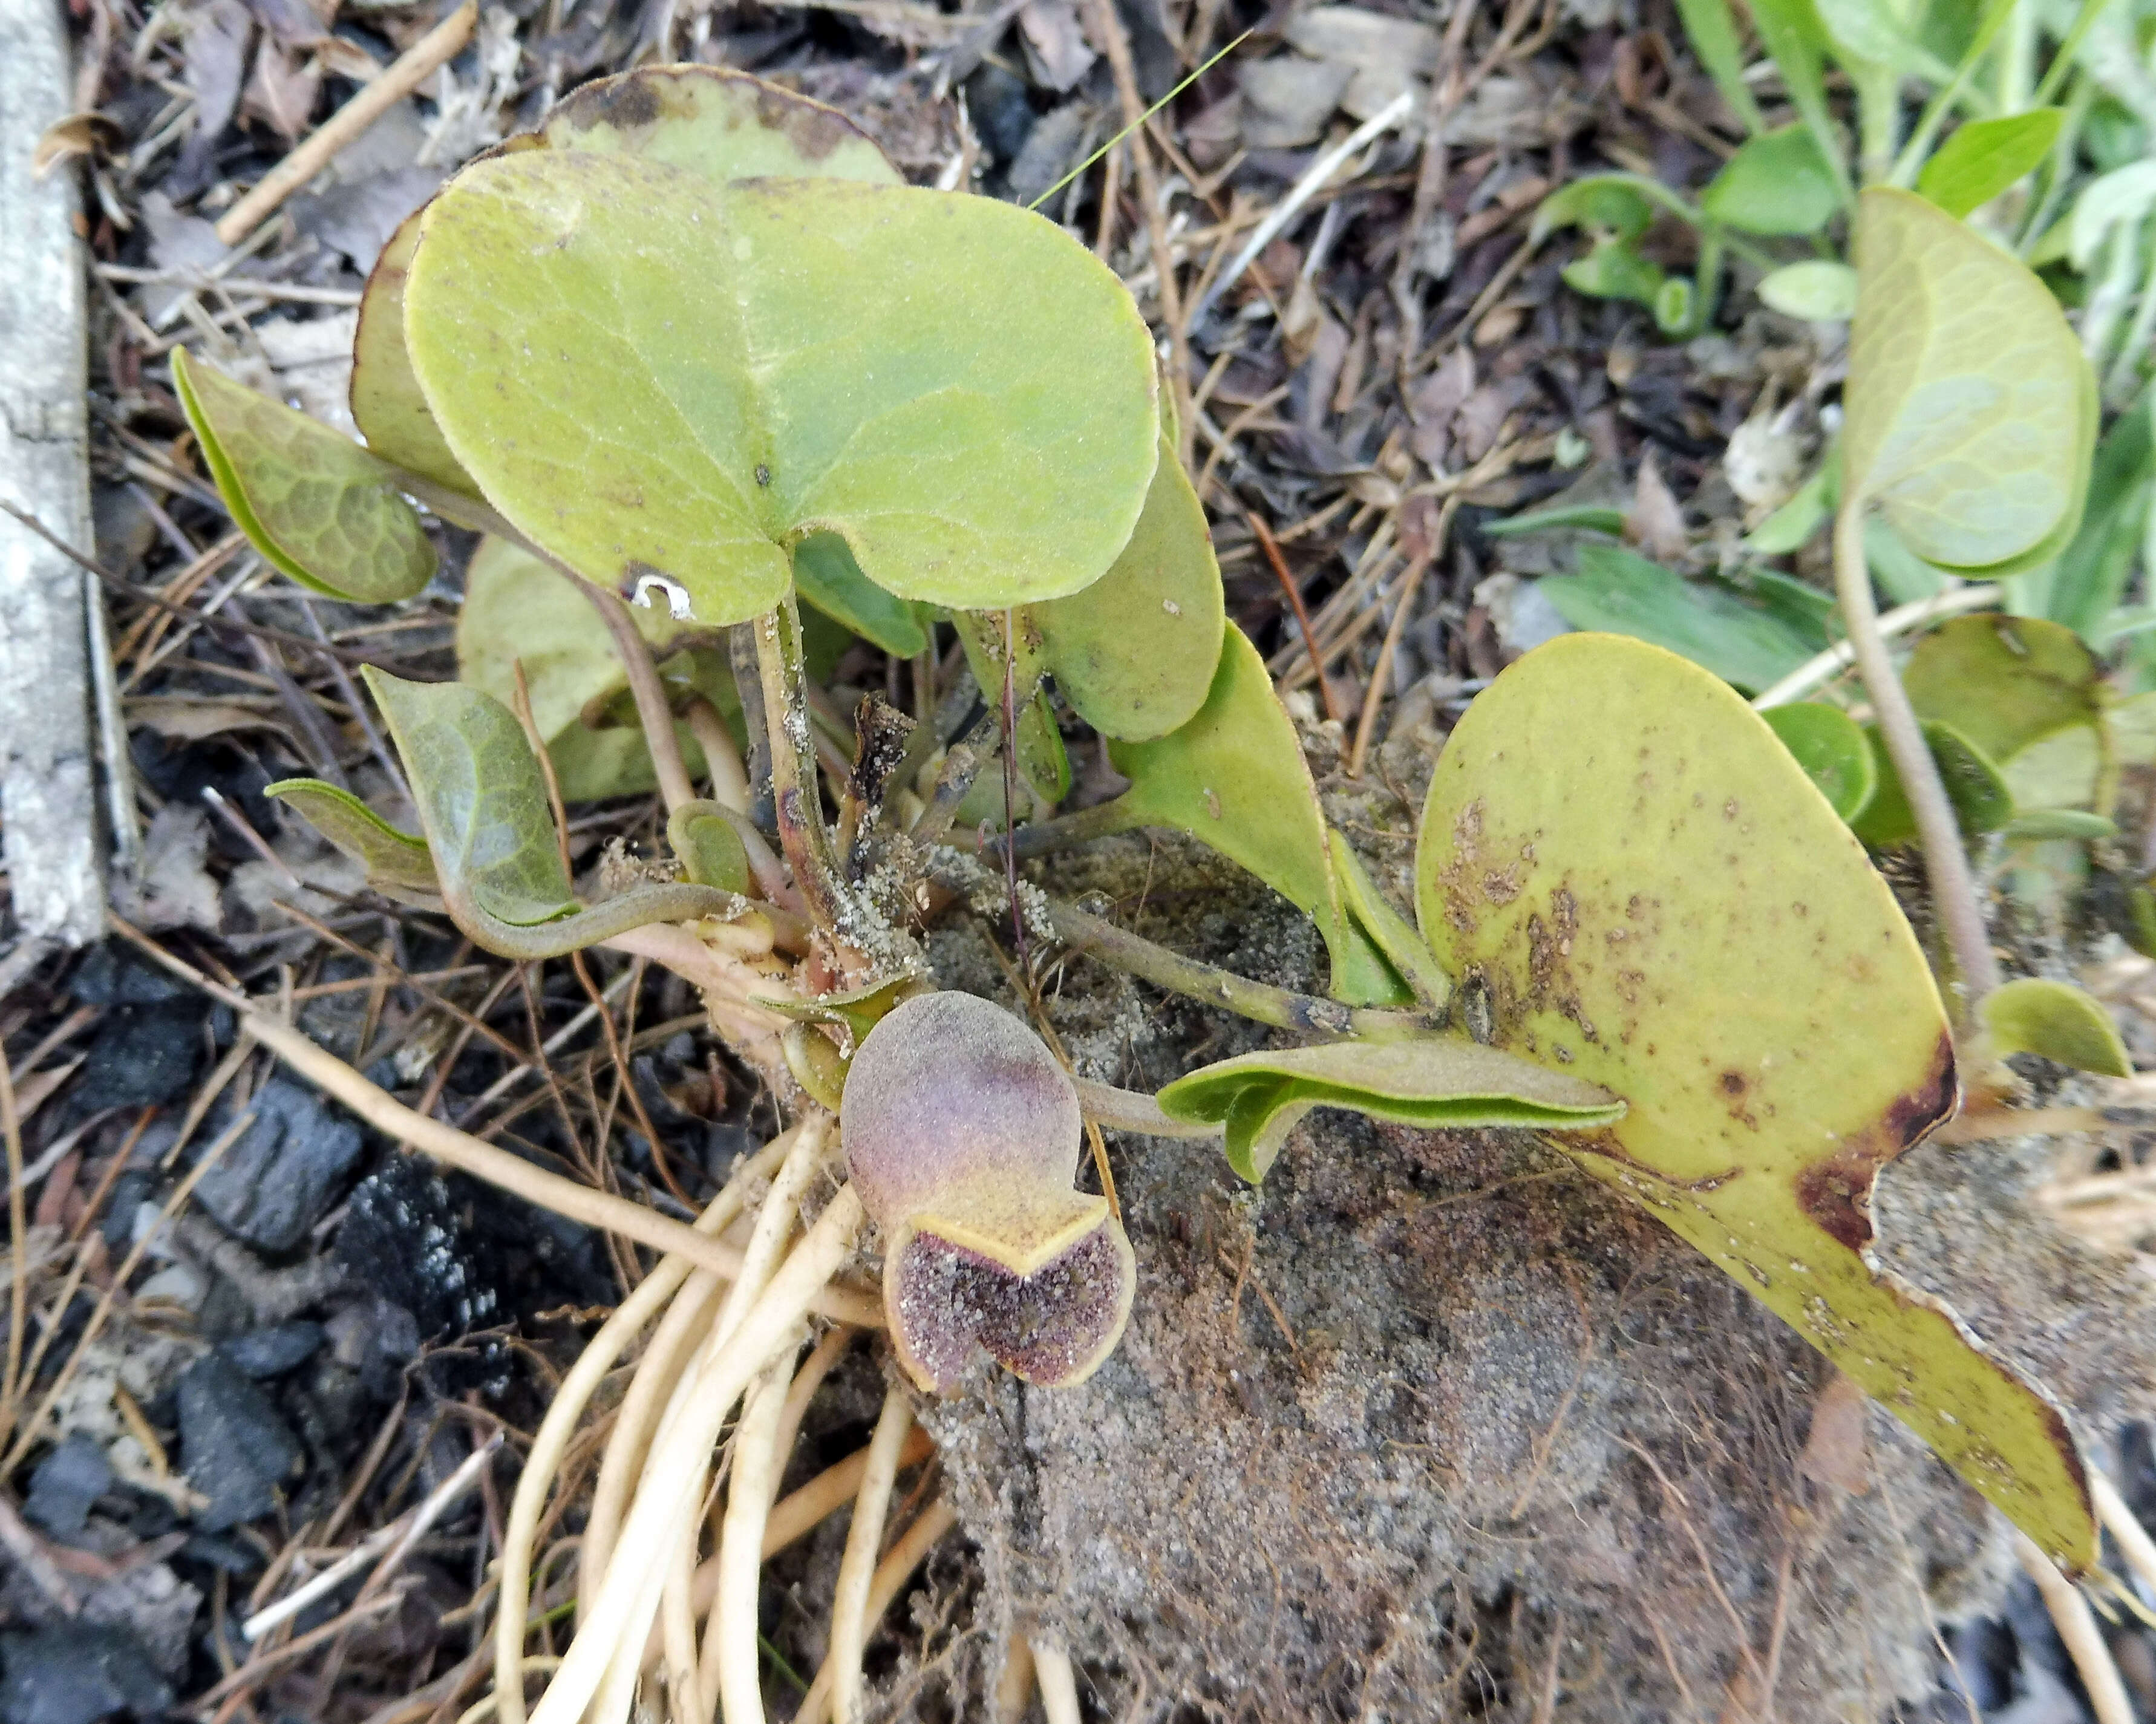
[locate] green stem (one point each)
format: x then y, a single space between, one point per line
796 803
1954 898
1878 105
1141 957
1038 837
2062 61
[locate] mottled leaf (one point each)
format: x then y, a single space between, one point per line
1444 1082
317 505
1631 882
1830 746
1983 158
398 864
2057 1021
650 371
1969 411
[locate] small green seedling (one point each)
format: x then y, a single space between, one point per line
2058 1022
964 1138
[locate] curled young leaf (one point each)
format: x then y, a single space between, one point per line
398 864
962 1136
651 372
483 802
1444 1082
317 505
2057 1021
1969 412
723 123
1659 902
710 848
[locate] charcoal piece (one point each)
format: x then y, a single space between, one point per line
272 1352
282 1175
235 1447
66 1483
142 1055
75 1673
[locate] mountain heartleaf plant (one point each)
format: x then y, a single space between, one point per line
694 343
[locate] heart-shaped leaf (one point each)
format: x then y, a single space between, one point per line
1984 157
1983 801
963 1136
722 124
649 371
1631 880
1134 653
1444 1083
517 609
317 505
1830 746
1969 412
483 802
398 864
2057 1021
1234 777
1777 183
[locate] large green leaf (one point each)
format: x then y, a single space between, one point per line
1234 777
1984 157
1778 183
398 864
317 505
483 802
1631 880
2087 583
1624 593
517 608
723 123
1134 653
1968 411
647 372
1444 1083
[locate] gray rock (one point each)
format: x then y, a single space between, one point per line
272 1352
234 1446
281 1178
66 1483
76 1674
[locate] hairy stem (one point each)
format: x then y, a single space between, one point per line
1954 898
796 803
1262 1004
653 710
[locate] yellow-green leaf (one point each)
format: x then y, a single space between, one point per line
647 372
2058 1022
1967 410
1134 653
2004 682
1984 157
317 505
398 864
1631 882
1444 1083
723 123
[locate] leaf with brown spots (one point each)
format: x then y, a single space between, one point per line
1690 927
